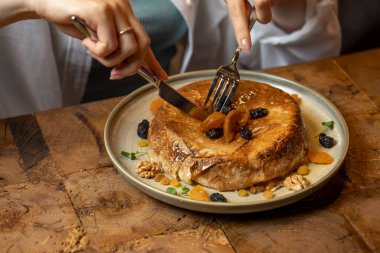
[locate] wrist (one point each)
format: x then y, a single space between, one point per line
15 10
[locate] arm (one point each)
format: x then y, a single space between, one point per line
106 17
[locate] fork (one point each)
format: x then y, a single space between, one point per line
227 77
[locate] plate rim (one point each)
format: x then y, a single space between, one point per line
217 207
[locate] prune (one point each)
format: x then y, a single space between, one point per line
217 197
214 133
258 112
245 133
326 141
142 129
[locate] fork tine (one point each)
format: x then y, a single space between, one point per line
218 89
211 89
228 99
222 97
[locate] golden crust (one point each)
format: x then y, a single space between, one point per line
278 145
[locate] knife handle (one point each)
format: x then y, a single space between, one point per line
143 71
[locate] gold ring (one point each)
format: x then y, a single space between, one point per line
125 30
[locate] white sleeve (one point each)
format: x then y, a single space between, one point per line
318 38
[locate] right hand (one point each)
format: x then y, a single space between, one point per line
239 12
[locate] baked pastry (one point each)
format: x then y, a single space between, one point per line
278 144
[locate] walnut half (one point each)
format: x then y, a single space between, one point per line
147 169
296 182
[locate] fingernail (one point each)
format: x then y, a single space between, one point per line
115 77
245 45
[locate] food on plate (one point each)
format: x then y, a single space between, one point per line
326 141
261 139
320 157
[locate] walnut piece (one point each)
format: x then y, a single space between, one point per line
296 182
147 169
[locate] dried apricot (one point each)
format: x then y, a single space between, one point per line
231 124
155 105
214 120
244 119
198 193
158 177
320 157
164 180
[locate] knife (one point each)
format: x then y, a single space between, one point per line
166 92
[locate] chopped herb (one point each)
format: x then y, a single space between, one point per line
132 155
171 190
328 124
185 190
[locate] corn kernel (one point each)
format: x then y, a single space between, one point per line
268 194
253 190
174 182
142 143
243 193
303 170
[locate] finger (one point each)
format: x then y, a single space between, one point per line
127 68
131 46
131 64
124 69
104 25
263 10
239 19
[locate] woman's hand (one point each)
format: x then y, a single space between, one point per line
124 51
239 12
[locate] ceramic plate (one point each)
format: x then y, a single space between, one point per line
121 127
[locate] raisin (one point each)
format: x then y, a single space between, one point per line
142 129
245 133
217 197
214 133
258 112
326 141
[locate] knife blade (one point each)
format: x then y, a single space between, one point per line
166 92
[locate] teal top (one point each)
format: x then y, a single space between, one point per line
165 26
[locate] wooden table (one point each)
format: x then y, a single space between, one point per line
60 193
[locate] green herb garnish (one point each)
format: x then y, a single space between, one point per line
185 190
171 191
132 155
328 124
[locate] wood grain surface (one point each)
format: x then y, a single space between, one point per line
60 193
